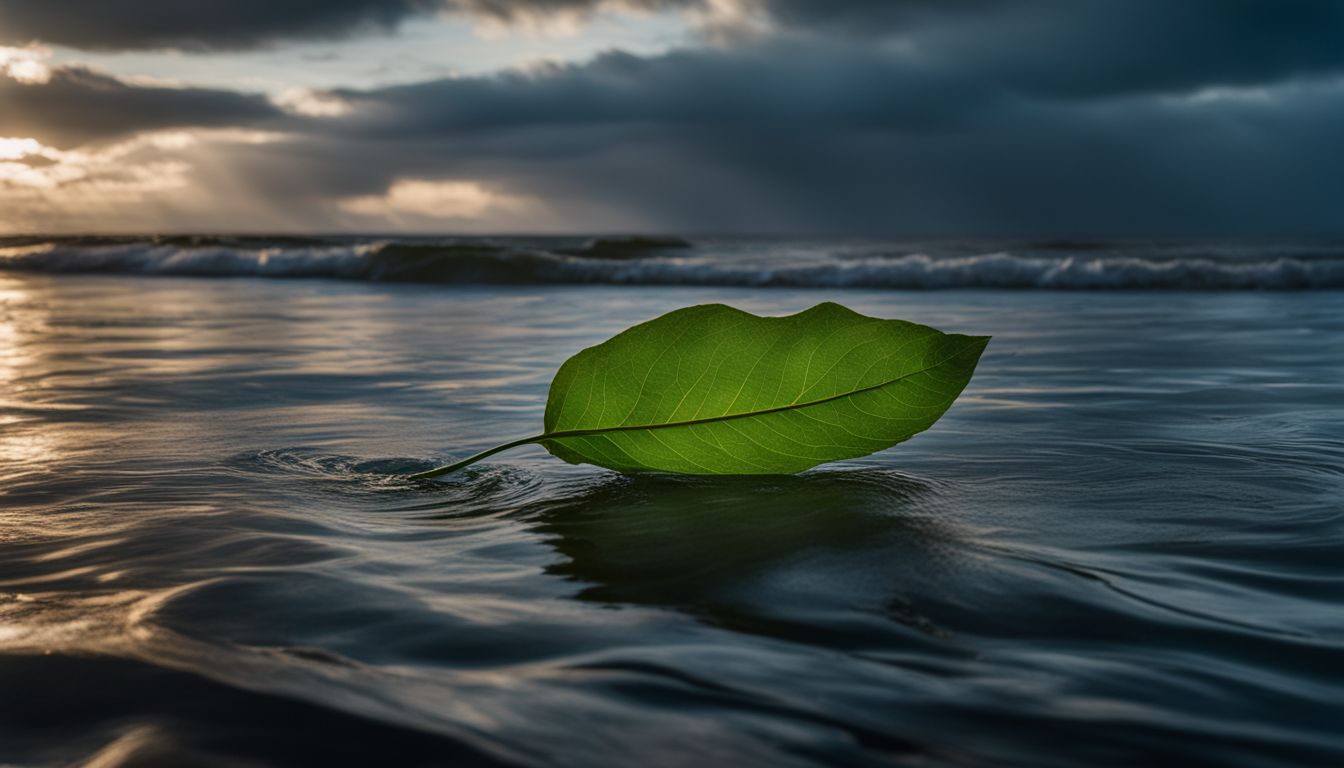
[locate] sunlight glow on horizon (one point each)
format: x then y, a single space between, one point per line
110 185
434 199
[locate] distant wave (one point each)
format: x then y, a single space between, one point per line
670 261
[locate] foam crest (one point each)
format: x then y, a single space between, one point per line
754 264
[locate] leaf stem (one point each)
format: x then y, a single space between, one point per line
473 459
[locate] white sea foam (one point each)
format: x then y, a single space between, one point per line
1226 268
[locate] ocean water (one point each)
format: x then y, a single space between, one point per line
1123 545
1189 264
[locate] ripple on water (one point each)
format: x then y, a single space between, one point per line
1120 547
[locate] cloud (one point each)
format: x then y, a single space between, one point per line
771 88
151 24
969 116
101 25
436 200
159 24
18 149
1099 48
27 65
73 105
311 103
137 183
827 137
1067 48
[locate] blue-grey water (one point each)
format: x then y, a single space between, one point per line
1123 545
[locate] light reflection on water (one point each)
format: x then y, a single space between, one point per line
1120 545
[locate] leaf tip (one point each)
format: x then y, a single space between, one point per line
978 343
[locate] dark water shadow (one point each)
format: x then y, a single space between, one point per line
128 713
835 558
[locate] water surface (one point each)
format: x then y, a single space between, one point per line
1121 546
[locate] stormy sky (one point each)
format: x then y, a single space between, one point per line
953 117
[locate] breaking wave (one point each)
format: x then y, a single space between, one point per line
671 261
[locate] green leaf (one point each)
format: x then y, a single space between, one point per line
714 390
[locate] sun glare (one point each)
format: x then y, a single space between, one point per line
17 149
27 65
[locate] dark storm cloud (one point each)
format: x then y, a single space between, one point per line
1137 166
768 89
77 106
187 24
1088 48
128 24
934 81
1076 48
827 137
918 116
